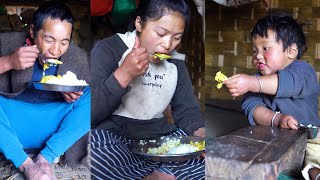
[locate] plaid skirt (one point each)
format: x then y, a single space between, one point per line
111 158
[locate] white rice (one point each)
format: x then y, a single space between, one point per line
165 147
69 79
182 149
173 147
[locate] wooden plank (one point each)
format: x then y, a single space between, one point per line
230 60
227 36
255 152
246 24
315 12
219 48
295 3
297 12
312 37
213 23
305 12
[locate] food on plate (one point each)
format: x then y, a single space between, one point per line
182 149
309 126
45 79
51 62
174 146
220 77
201 145
161 56
69 79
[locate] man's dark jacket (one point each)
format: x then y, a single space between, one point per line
14 82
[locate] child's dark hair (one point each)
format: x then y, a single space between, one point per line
54 10
286 29
155 9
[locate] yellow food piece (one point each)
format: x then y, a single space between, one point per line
161 56
54 61
220 78
45 66
201 145
49 63
219 85
45 79
165 147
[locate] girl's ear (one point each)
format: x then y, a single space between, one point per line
138 24
293 51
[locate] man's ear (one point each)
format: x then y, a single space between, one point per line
293 51
31 31
138 24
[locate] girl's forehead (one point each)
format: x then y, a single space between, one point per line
168 15
170 22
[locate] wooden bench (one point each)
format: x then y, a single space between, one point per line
255 152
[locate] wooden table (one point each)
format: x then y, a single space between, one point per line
255 152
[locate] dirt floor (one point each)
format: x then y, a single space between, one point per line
62 172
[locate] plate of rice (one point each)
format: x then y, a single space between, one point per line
66 83
170 148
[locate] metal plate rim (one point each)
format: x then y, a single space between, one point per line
58 87
168 157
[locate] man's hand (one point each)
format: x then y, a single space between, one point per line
23 57
287 121
135 64
201 132
240 84
71 96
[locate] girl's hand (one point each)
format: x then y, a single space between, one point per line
136 62
287 121
240 84
71 96
201 132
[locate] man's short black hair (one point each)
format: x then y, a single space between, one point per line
54 10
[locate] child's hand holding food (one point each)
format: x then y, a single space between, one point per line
286 121
240 84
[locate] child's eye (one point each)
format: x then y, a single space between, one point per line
265 48
254 51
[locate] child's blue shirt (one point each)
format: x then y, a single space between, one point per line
297 95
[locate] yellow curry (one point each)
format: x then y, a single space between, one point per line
220 78
161 56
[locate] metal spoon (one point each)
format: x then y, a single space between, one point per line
52 61
160 56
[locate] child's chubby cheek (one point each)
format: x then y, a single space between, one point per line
268 55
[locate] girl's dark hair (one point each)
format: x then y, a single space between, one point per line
286 29
155 9
54 10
